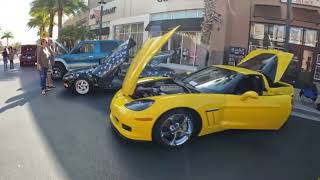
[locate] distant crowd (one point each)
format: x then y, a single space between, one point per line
8 54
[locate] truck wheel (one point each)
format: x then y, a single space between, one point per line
58 71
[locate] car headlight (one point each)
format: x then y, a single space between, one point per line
139 105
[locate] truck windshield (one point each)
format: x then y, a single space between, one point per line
213 80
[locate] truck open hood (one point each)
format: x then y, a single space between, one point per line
61 46
272 63
150 48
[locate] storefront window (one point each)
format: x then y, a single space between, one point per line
198 13
277 33
296 36
257 31
264 36
189 48
310 38
136 30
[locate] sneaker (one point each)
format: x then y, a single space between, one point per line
52 87
48 89
43 92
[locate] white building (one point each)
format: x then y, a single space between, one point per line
142 18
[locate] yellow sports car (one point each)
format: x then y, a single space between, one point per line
171 111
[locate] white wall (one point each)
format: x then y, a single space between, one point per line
129 20
130 8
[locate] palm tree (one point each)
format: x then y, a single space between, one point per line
69 7
48 6
212 19
71 34
39 20
7 35
59 7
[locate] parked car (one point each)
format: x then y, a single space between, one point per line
171 111
85 54
110 74
28 55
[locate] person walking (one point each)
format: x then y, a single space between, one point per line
43 64
11 57
52 50
5 58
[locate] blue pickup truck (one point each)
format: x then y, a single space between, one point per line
85 54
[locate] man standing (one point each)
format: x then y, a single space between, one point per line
43 64
51 48
11 57
5 58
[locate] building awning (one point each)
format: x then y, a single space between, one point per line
306 15
191 24
267 12
104 31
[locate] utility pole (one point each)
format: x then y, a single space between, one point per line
102 2
288 21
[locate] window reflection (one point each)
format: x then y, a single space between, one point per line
310 38
296 35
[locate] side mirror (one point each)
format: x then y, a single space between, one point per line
249 94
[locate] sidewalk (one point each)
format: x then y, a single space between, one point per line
305 110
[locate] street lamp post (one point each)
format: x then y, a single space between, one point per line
288 20
102 2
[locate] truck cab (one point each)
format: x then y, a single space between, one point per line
85 54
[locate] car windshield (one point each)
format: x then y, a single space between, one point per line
213 80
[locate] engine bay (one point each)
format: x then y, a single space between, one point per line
158 88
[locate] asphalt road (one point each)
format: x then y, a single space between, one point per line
65 136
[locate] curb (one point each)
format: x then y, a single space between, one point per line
305 113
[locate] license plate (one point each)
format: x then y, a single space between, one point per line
28 57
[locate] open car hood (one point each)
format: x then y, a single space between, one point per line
61 46
272 63
150 48
118 57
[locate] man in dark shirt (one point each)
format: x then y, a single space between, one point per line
5 58
43 64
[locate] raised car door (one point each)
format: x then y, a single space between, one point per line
271 63
83 55
248 108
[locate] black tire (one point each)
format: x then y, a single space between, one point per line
161 122
58 71
83 90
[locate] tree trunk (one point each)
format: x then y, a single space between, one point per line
51 24
7 42
60 14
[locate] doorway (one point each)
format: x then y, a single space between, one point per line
301 70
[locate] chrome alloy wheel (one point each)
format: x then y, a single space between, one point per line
176 130
82 86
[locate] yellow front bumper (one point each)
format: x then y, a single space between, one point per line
130 124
